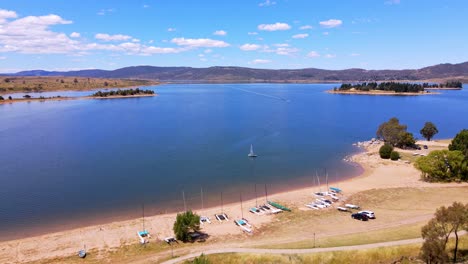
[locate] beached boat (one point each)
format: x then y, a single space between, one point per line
205 219
342 209
244 225
313 206
352 206
256 211
82 253
144 236
279 206
251 153
335 189
222 217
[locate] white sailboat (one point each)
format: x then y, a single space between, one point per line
252 154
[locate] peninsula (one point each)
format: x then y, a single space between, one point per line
30 84
113 94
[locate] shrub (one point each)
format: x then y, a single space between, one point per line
385 151
186 223
1 98
394 155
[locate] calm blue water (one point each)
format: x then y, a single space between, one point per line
69 163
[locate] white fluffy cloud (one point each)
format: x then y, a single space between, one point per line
274 27
250 47
306 27
331 23
259 61
220 33
5 14
330 56
107 37
267 3
200 43
300 36
75 35
31 34
313 54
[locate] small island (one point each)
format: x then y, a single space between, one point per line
124 93
393 88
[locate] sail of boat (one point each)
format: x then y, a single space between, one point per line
252 154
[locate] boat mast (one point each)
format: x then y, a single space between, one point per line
143 212
318 181
242 210
266 193
222 202
326 178
201 195
255 190
183 197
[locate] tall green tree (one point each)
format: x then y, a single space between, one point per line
391 131
460 142
185 224
447 221
428 131
405 139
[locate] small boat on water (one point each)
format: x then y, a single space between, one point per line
251 153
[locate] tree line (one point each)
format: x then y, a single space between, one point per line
124 92
448 84
396 86
383 86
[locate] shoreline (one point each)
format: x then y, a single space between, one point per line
28 100
211 202
376 174
379 93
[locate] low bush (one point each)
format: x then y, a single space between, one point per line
394 155
385 151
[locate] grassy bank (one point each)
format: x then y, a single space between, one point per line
57 83
395 254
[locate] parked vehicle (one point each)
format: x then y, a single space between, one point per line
425 146
359 216
369 214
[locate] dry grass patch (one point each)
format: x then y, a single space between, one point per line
10 84
405 254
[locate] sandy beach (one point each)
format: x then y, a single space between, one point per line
377 174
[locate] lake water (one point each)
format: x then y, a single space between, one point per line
71 163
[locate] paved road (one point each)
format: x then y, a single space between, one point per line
296 251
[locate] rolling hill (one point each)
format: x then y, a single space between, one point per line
241 74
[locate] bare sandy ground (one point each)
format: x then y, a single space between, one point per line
377 174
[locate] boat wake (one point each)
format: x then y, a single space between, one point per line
265 95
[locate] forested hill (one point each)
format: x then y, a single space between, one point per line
240 74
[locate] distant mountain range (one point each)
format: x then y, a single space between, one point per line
240 74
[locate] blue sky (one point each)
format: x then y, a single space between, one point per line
277 34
